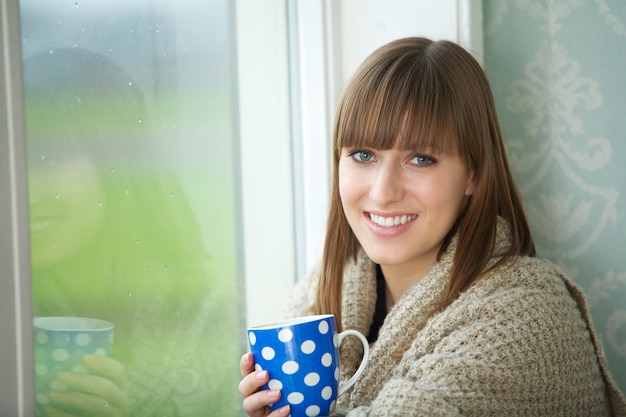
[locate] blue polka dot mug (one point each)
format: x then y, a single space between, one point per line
60 344
301 356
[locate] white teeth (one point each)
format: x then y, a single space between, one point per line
392 221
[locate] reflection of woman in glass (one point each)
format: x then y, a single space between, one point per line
113 238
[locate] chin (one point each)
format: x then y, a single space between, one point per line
386 257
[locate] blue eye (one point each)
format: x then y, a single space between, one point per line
362 156
422 160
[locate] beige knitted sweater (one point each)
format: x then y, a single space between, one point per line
519 342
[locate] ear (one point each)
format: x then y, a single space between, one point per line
469 187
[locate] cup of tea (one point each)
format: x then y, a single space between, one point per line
301 356
60 344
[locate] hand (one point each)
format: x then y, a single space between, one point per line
101 395
256 402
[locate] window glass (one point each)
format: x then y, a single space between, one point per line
132 189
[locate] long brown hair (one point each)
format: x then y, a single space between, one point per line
413 94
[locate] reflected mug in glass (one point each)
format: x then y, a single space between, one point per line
301 356
60 344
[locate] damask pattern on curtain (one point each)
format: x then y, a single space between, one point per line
558 71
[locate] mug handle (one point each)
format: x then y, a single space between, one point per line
366 352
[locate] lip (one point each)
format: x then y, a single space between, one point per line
388 232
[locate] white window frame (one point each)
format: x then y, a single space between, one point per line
16 342
265 156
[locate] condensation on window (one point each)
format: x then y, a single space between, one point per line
131 163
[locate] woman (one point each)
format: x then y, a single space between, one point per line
428 251
113 238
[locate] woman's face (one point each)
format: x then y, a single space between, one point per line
66 205
401 204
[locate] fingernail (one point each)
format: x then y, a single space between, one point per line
284 411
273 394
260 376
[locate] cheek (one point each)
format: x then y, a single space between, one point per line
443 193
348 185
346 195
352 190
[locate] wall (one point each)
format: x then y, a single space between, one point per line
557 70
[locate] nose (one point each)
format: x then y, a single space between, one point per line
387 186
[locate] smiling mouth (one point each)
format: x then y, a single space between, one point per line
391 221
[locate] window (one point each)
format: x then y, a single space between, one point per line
193 136
130 111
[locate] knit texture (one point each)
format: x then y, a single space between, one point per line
519 342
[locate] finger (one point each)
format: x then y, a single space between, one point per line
253 382
95 386
108 367
281 412
87 404
247 364
55 412
257 404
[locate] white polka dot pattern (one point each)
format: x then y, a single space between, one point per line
303 364
63 350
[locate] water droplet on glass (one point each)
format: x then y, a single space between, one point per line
51 51
112 170
137 242
171 195
100 203
166 267
75 46
131 29
126 192
76 4
57 196
130 83
130 295
42 158
139 121
164 53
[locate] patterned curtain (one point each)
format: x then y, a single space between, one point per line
558 70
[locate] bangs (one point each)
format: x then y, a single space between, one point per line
404 105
